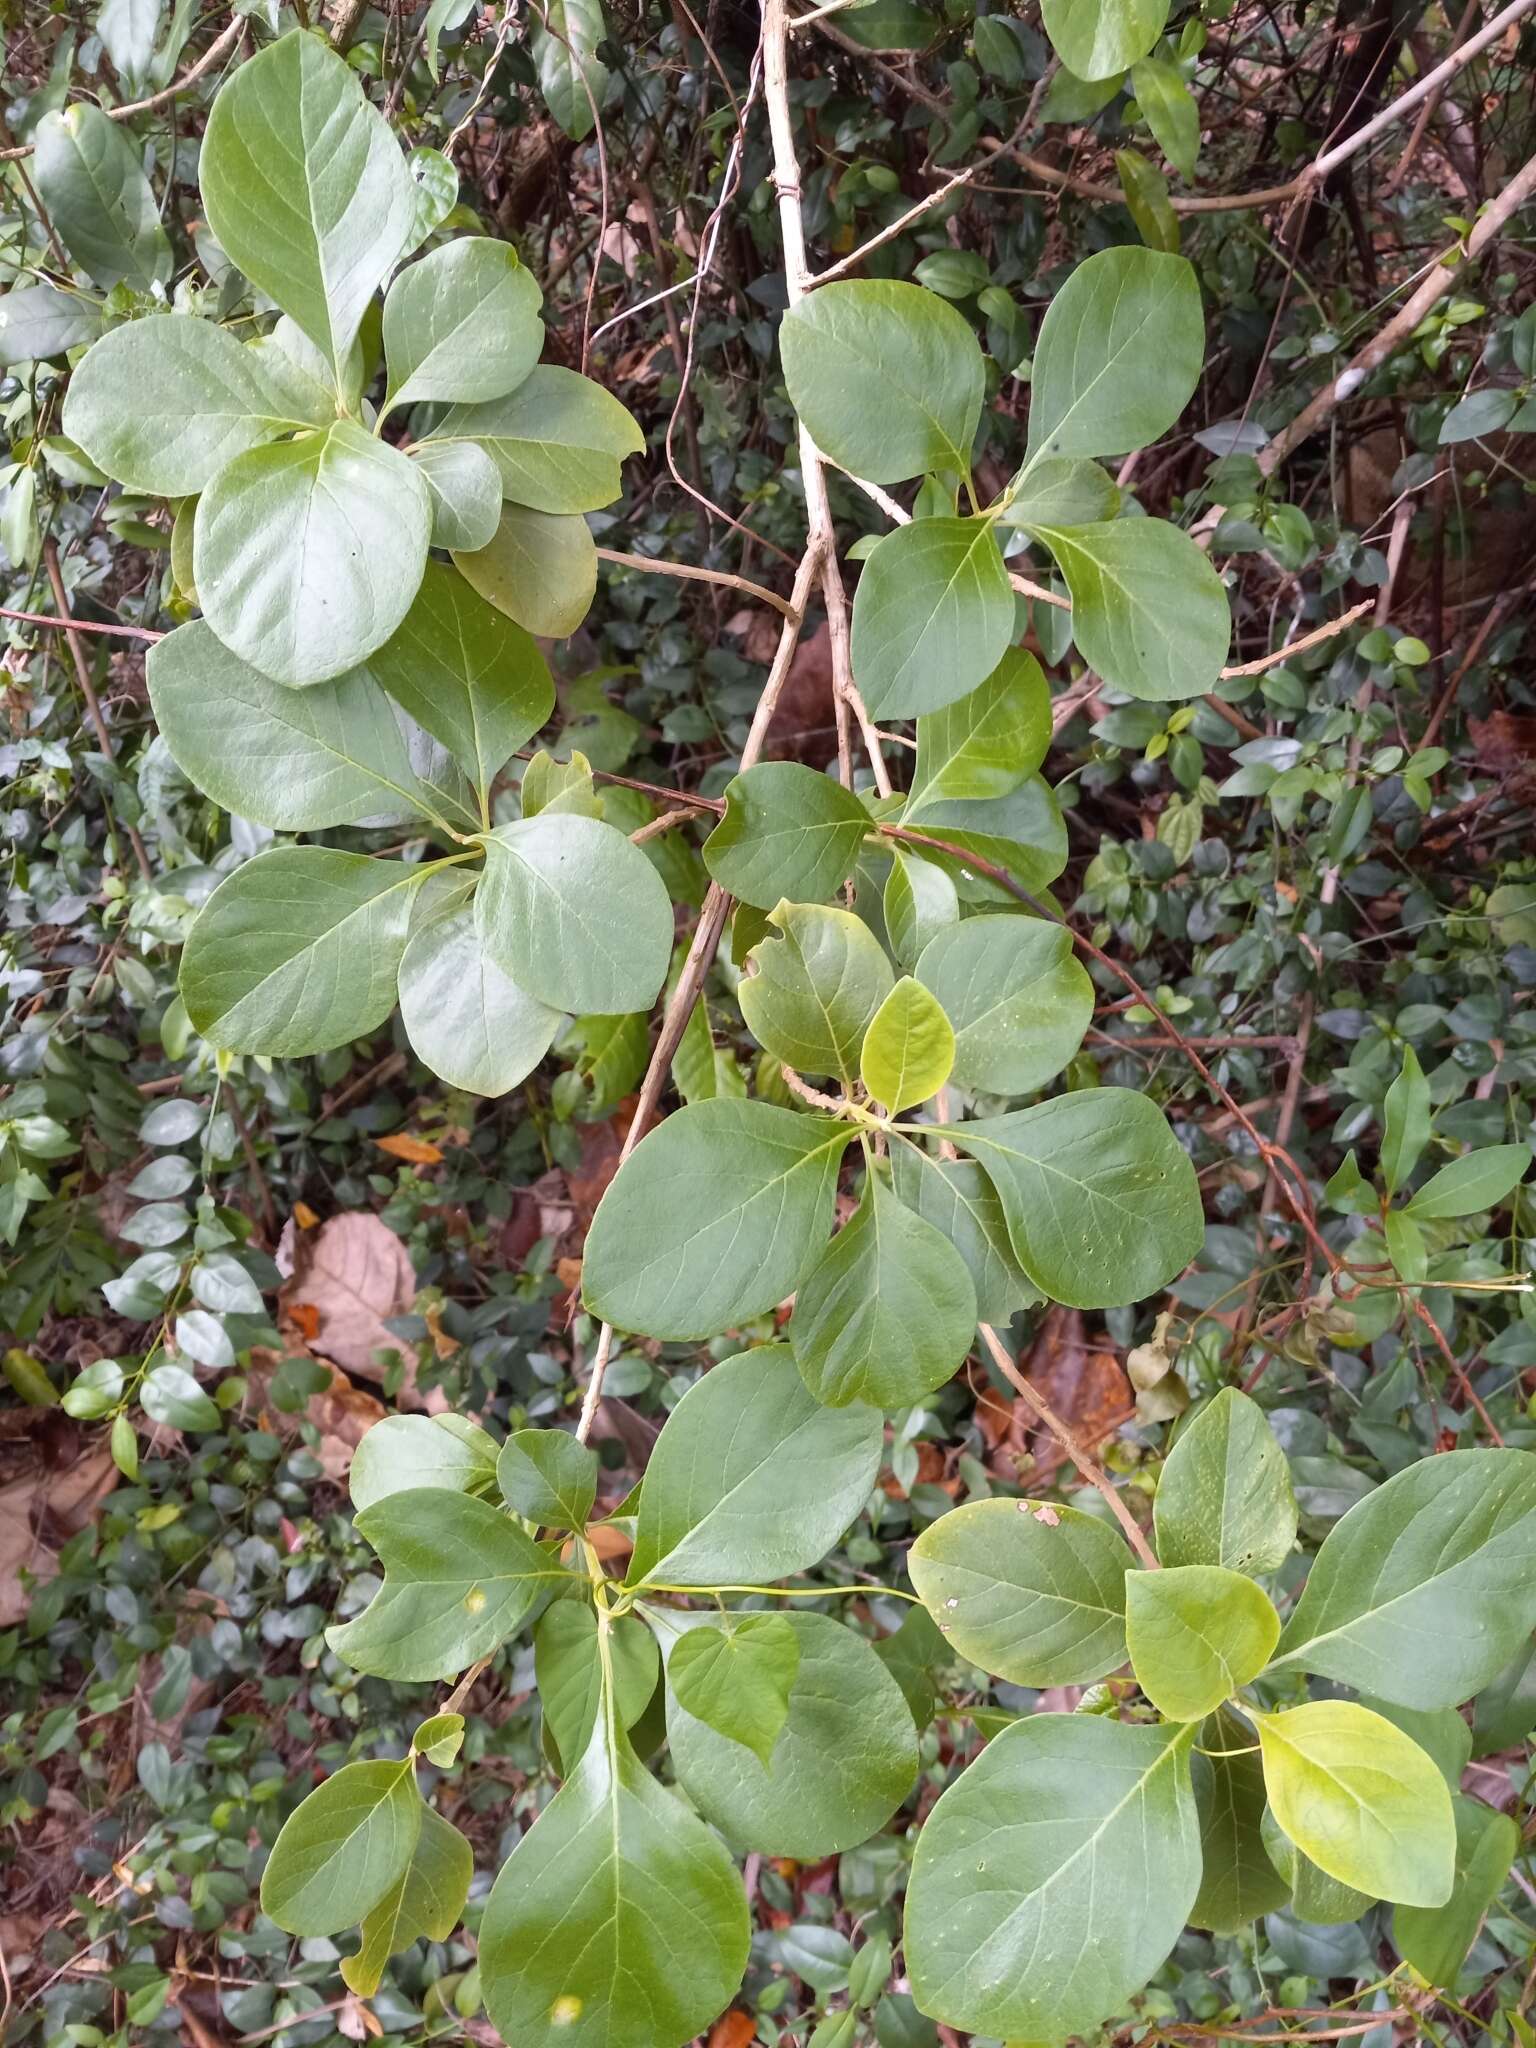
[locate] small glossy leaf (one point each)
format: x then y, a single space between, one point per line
958 1199
1017 997
306 188
1169 109
1196 1632
459 1578
403 1452
751 1480
575 914
568 1664
310 552
540 569
1101 1200
1360 1799
469 1022
736 1677
342 1848
439 1739
887 378
843 1761
170 1394
1435 1939
1405 1127
426 1899
1225 1493
985 744
1053 1877
466 494
298 951
909 1048
932 617
1148 610
1033 1594
1061 490
461 322
1474 1182
557 441
90 178
1238 1882
572 77
548 1476
1122 343
810 995
787 832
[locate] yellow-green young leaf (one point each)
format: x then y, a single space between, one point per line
1439 1731
461 322
1360 1799
809 996
1316 1898
548 1476
342 1848
986 743
1146 197
1238 1882
1099 38
1122 343
568 1665
1053 1877
1033 1594
1148 610
909 1048
932 617
888 1313
426 1899
618 1921
557 441
540 569
1225 1495
1196 1633
406 1451
1435 1939
787 832
736 1677
1017 996
439 1739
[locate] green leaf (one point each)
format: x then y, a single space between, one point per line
1064 1816
1224 1496
305 187
90 179
932 616
1435 1939
461 322
1169 109
568 1665
1405 1246
751 1480
957 1198
1033 1594
810 995
1017 997
919 901
736 1677
1238 1883
618 1921
1360 1799
572 77
1405 1123
171 1395
987 743
1440 1732
297 760
459 1578
1060 490
471 1024
198 401
1022 833
309 552
1316 1898
1099 38
466 494
548 1476
1122 343
557 441
1425 1588
1196 1633
1146 199
909 1048
887 378
426 1899
844 1759
472 678
1148 610
403 1452
540 569
298 950
342 1848
38 320
1102 1203
575 914
888 1312
787 832
1474 1182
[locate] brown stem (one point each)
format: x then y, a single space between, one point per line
83 678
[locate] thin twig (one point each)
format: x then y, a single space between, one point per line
692 574
79 625
83 678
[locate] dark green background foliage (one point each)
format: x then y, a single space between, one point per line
1088 966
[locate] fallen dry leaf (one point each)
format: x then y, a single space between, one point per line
732 2030
348 1277
39 1512
415 1151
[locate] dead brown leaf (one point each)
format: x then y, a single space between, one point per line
732 2030
39 1512
348 1277
415 1151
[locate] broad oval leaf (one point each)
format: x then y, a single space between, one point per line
909 1048
1101 1199
932 616
986 743
557 441
403 1452
787 832
1031 1913
751 1480
1148 610
540 569
461 322
1017 996
310 552
305 187
887 378
548 1476
298 950
342 1848
1033 1594
1225 1496
572 77
736 1677
844 1760
1238 1882
1361 1799
1022 833
1122 343
958 1199
575 914
197 401
810 995
919 901
469 1022
1060 490
90 178
466 494
426 1899
568 1668
1196 1633
1426 1588
459 1578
